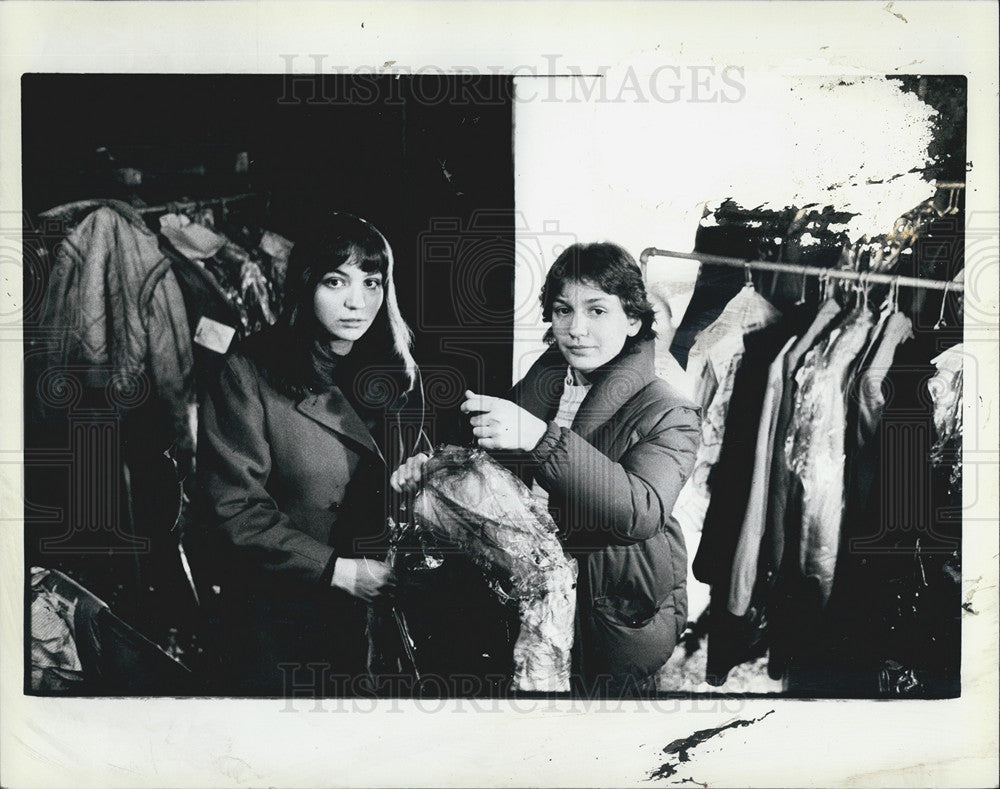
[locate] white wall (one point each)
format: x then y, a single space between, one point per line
621 160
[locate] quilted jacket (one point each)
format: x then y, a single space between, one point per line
114 317
612 480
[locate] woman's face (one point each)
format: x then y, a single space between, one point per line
346 302
590 325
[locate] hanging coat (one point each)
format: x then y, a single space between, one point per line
116 315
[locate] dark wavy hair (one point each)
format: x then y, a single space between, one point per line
607 267
300 361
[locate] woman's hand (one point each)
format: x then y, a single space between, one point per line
407 478
366 579
501 424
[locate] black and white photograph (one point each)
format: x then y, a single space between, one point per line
592 407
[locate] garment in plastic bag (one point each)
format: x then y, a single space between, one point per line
472 502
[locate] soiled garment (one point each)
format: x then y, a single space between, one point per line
731 475
731 485
870 397
946 393
471 501
238 272
714 359
815 445
252 284
868 405
278 248
55 661
194 241
744 573
116 315
897 592
778 493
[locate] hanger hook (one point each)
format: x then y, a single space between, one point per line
953 200
747 275
944 300
802 294
894 294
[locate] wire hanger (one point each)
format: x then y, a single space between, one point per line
952 201
802 295
891 303
944 301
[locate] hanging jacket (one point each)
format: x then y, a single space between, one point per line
778 494
730 482
792 609
713 363
893 623
116 314
945 389
815 445
745 562
612 481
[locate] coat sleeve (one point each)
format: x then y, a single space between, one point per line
170 356
624 502
234 463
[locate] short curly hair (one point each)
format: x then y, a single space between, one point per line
607 267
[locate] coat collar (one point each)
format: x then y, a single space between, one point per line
332 409
612 386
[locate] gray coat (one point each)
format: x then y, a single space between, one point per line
287 485
279 475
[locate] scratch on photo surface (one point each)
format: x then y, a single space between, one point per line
973 583
889 6
908 775
683 746
123 768
37 754
233 767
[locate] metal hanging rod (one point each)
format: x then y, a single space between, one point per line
183 205
811 271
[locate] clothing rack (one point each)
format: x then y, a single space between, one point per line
866 277
173 205
184 205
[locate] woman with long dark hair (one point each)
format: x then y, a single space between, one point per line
295 441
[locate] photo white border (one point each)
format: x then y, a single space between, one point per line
208 743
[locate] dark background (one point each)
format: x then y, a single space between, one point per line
409 154
429 161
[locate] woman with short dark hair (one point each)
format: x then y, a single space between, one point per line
610 446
